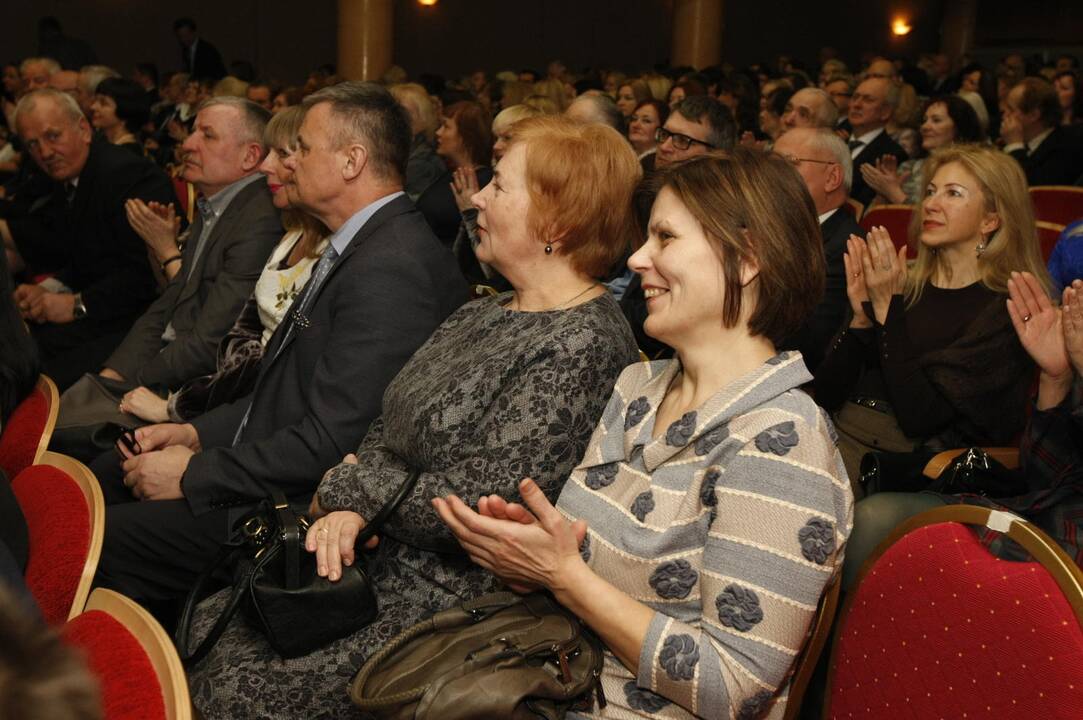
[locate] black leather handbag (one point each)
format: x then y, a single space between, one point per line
275 581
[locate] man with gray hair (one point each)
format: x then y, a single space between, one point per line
234 231
596 108
90 77
36 71
871 107
823 161
105 282
810 108
379 290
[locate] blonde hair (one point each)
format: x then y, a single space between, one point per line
659 85
281 132
418 104
554 90
1013 246
511 115
230 85
542 104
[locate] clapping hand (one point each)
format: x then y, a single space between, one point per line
157 224
856 291
1037 322
1072 318
884 178
884 271
464 186
526 547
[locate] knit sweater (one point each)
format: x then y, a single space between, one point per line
729 524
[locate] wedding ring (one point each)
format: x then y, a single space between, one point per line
1026 318
322 531
857 274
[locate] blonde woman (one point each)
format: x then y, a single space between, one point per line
929 360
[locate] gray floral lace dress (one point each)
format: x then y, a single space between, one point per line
492 397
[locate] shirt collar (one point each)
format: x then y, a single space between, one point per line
823 218
1038 140
342 237
869 136
221 199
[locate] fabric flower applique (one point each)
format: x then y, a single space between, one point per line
637 410
817 540
680 432
777 439
642 505
674 579
754 706
710 440
739 608
645 700
601 476
679 656
706 490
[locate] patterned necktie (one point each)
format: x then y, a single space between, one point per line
297 317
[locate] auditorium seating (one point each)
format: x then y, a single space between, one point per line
29 429
1057 204
896 218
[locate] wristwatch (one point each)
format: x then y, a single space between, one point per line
79 310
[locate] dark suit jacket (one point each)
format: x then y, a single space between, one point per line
207 64
1057 161
881 145
318 391
203 305
106 261
829 315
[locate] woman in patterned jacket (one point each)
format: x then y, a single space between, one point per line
507 386
711 508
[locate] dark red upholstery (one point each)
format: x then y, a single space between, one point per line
22 433
1048 235
58 521
941 628
129 685
897 221
1056 204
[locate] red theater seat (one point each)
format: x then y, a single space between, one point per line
140 674
65 517
896 218
1057 204
939 627
29 429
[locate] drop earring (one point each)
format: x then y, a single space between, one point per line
980 248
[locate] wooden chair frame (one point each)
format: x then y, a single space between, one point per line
159 648
1067 575
819 633
95 501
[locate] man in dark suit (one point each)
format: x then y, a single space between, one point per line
78 316
200 59
823 161
1051 154
871 108
234 232
380 289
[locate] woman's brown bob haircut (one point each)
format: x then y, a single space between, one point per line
754 207
473 124
580 178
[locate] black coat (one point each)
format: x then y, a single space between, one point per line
207 63
1057 161
318 391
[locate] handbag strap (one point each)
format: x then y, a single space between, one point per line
291 535
227 556
373 526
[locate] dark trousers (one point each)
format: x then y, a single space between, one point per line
153 549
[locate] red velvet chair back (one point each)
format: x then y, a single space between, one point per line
939 627
129 685
28 431
1048 235
1058 204
65 516
896 218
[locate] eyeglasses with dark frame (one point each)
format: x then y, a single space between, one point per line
681 142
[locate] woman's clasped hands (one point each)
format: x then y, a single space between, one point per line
526 547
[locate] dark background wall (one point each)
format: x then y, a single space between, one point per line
286 39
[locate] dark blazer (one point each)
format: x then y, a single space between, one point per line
880 146
830 313
1057 161
207 63
203 302
322 384
438 206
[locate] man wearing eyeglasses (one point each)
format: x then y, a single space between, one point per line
698 125
823 161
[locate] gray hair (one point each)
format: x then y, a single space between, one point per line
254 118
826 114
827 141
66 102
367 114
893 94
51 65
603 110
90 76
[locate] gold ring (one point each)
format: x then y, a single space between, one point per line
322 531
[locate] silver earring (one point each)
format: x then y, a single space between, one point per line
980 248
